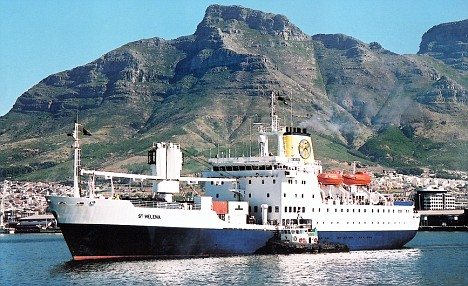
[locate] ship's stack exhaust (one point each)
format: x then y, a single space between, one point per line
165 160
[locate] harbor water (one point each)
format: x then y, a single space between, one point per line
431 258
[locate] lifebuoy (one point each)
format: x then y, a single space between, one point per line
315 240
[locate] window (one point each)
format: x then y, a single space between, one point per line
284 195
294 209
276 209
269 209
255 209
250 195
312 209
217 195
302 196
263 182
250 182
290 209
285 209
250 209
303 209
268 195
274 181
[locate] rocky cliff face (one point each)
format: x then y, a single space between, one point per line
209 87
447 42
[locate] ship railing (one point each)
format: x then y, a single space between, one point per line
165 205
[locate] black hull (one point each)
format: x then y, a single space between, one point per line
116 241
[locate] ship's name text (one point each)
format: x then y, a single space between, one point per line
149 216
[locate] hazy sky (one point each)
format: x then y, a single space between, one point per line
39 38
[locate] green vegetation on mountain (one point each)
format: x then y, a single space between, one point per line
359 101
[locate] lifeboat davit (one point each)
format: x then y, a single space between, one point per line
359 178
330 178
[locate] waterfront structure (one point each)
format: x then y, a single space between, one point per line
434 198
37 223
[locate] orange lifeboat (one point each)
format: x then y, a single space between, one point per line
359 178
330 178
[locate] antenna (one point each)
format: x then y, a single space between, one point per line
290 105
274 116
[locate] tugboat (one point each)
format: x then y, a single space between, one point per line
246 202
299 235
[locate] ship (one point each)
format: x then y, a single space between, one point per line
247 202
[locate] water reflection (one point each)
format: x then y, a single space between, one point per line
363 267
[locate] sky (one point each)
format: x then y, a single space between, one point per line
40 38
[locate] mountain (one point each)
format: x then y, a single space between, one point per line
205 90
447 42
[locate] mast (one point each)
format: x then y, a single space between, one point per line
77 161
